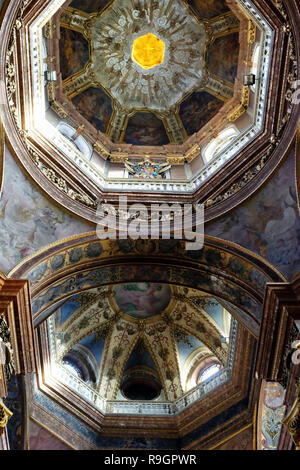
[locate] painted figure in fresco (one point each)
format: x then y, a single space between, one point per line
74 52
223 56
89 6
145 129
95 106
197 110
142 300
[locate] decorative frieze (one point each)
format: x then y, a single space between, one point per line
62 185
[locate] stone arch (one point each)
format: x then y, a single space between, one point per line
226 271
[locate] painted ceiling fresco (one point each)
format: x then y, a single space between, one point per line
142 300
199 108
223 56
112 343
74 52
108 330
208 9
96 106
160 89
145 129
89 6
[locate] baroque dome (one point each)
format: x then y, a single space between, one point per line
187 129
154 337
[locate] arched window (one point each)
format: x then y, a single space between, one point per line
76 140
73 368
208 372
219 143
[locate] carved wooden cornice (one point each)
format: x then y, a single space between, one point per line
16 330
281 309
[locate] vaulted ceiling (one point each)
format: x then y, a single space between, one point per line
128 102
124 329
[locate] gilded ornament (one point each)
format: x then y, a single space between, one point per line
147 169
251 32
7 357
5 415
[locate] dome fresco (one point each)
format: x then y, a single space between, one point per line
144 80
142 300
150 59
145 328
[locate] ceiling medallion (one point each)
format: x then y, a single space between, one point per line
127 44
142 300
148 51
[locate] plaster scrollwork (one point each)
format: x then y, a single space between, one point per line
251 32
61 183
197 180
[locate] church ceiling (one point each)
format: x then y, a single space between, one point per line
141 325
150 333
193 57
145 129
85 121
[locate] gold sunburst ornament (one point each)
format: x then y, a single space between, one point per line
148 51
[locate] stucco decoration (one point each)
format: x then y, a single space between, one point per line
97 313
137 87
152 57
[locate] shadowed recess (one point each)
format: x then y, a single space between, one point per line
89 6
74 52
